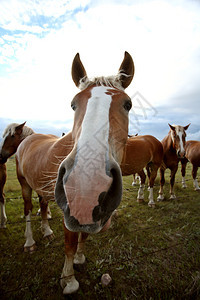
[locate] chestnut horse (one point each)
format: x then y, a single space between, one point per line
192 155
85 162
13 135
143 151
174 151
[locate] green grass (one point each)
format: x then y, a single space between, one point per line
149 253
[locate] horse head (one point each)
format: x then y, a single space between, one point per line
178 136
89 182
13 135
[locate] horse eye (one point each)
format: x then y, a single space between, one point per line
73 106
127 105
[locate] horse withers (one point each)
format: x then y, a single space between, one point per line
84 161
143 151
13 135
174 151
193 156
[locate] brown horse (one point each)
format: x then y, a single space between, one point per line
192 155
2 199
174 151
143 151
89 182
13 135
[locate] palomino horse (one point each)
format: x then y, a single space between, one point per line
140 152
89 182
192 155
2 199
174 151
13 135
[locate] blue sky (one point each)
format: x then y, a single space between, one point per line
39 39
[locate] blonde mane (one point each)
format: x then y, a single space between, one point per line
10 129
110 81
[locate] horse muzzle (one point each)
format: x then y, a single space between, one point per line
88 201
181 154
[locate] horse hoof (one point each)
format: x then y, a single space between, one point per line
152 205
69 287
133 183
49 237
160 198
197 189
30 249
172 197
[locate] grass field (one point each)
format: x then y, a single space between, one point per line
149 253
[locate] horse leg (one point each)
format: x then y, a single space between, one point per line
152 176
183 169
162 182
46 230
3 216
134 180
68 281
173 173
49 216
194 175
29 245
148 175
79 257
140 197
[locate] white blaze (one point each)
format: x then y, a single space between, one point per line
95 125
180 134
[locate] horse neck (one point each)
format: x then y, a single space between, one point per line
168 143
64 144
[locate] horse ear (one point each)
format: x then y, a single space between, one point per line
127 69
172 127
78 70
19 128
186 127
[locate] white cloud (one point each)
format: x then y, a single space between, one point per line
194 136
162 37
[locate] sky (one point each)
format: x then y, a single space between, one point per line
39 39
